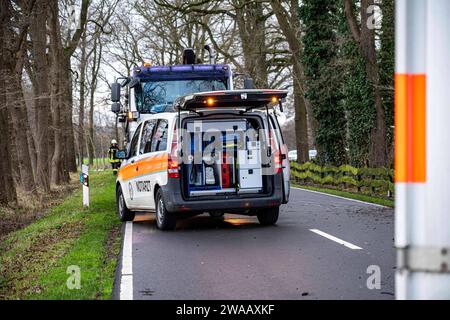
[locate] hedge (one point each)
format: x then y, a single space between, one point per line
378 181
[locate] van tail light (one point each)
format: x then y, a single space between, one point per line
277 158
172 169
277 161
172 160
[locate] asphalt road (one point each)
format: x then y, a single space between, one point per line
302 257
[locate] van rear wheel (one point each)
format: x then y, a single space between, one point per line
164 220
269 216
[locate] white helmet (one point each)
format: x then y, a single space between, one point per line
113 141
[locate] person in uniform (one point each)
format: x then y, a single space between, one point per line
112 154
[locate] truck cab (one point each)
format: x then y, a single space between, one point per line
153 89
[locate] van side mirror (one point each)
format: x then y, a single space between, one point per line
115 107
248 83
115 92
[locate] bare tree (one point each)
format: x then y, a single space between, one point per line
58 170
250 19
290 25
82 67
95 67
91 60
66 47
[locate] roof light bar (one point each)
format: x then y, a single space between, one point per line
148 69
249 99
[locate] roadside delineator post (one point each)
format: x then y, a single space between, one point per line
422 149
84 180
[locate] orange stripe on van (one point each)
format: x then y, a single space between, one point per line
410 128
150 164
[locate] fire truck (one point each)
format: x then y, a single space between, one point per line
153 89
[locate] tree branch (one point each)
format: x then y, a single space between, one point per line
70 49
353 24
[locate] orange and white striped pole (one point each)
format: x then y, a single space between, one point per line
422 149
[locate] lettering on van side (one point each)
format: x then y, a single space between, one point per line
143 186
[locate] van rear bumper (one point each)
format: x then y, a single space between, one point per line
174 201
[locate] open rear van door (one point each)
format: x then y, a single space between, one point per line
285 166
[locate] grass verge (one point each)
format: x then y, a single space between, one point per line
350 195
29 207
35 261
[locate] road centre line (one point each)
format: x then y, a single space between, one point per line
335 239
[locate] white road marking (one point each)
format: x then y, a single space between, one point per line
126 280
126 287
349 199
333 238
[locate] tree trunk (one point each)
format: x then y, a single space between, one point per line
83 62
364 36
290 26
32 151
96 59
91 144
38 35
387 69
251 25
378 151
11 174
91 134
12 136
313 125
30 119
57 88
7 187
18 117
301 124
70 154
69 136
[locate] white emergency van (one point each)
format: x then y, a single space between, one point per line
217 152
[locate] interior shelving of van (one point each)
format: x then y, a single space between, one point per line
234 166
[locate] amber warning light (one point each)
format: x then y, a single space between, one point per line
132 115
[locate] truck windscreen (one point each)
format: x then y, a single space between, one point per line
158 96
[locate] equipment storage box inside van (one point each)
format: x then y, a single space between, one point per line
223 158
